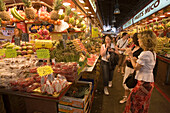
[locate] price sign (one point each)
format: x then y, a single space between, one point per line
43 53
45 70
10 53
2 52
95 32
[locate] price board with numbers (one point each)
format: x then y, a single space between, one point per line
43 53
45 70
10 53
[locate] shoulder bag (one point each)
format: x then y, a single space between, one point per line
130 80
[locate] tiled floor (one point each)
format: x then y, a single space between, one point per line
110 104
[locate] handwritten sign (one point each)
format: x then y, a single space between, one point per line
95 32
2 52
45 70
10 53
43 53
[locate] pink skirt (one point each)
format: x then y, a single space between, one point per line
139 99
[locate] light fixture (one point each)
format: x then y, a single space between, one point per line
81 1
73 9
66 3
60 11
117 11
78 13
168 13
155 18
150 20
86 7
81 16
114 19
162 16
90 12
92 15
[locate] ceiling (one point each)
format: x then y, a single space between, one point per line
128 8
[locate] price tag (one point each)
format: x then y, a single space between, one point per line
10 53
43 53
2 52
45 70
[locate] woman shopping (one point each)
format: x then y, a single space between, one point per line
139 99
136 50
105 50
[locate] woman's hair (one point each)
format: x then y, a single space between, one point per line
135 39
20 31
104 37
148 39
124 34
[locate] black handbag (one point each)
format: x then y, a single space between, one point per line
131 81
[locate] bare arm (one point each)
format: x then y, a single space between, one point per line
135 65
103 51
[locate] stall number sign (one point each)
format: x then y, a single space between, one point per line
2 52
45 70
10 53
94 32
43 53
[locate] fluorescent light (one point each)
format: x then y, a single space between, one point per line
89 12
150 20
81 16
162 16
86 7
92 15
66 4
168 13
81 1
73 9
78 13
155 18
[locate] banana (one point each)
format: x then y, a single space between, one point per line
14 15
15 11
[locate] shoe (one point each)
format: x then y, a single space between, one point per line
106 92
110 84
123 100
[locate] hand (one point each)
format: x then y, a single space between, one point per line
108 56
129 52
107 46
110 50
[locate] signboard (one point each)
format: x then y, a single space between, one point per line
92 2
45 70
127 24
25 37
153 7
43 53
95 32
10 53
2 52
43 43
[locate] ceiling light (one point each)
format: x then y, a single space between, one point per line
117 11
89 12
81 16
92 15
162 16
150 20
81 1
66 3
86 7
168 13
60 11
78 13
73 9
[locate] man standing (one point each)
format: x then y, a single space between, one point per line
122 44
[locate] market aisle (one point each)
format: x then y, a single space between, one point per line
110 104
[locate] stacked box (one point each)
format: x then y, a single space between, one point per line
78 105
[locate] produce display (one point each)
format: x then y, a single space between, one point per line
163 46
14 69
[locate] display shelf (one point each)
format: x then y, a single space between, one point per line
36 95
165 59
90 69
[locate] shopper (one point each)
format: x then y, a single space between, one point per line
139 99
122 44
104 52
136 50
17 36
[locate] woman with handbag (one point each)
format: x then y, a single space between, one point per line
139 99
136 50
105 65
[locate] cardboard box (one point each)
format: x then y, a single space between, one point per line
69 109
77 102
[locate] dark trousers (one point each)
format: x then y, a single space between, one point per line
107 73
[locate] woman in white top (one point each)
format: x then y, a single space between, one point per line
139 99
104 52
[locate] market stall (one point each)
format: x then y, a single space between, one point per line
54 52
155 17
